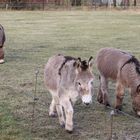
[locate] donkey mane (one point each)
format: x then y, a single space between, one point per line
84 65
135 61
67 58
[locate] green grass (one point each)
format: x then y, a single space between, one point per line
32 37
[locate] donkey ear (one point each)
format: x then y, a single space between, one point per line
90 62
138 89
77 63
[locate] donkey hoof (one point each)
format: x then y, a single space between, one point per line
62 125
53 115
2 61
69 131
100 101
108 104
69 128
118 108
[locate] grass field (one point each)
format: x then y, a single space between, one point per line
32 37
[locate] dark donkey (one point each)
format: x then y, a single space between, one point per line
125 70
2 40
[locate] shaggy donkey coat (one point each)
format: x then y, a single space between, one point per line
125 70
68 78
2 40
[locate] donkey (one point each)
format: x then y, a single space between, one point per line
2 40
122 67
68 78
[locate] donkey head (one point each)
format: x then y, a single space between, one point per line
136 100
84 79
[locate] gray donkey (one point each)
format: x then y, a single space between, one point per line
125 70
68 78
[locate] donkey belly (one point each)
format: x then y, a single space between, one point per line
108 67
109 62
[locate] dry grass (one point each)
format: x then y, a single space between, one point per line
32 37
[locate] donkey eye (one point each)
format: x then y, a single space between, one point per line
92 83
79 83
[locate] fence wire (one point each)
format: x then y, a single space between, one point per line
70 4
109 132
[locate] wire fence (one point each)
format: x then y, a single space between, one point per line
109 130
70 4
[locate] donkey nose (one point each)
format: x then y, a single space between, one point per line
86 104
87 99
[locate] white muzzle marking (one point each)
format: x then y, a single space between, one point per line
87 99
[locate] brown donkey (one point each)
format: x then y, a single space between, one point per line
68 78
125 70
2 40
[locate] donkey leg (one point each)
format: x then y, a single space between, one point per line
1 55
100 95
69 114
52 112
60 115
59 110
119 95
104 90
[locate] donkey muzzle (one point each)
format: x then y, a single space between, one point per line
87 99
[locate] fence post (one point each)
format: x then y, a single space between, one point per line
34 99
6 6
111 124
